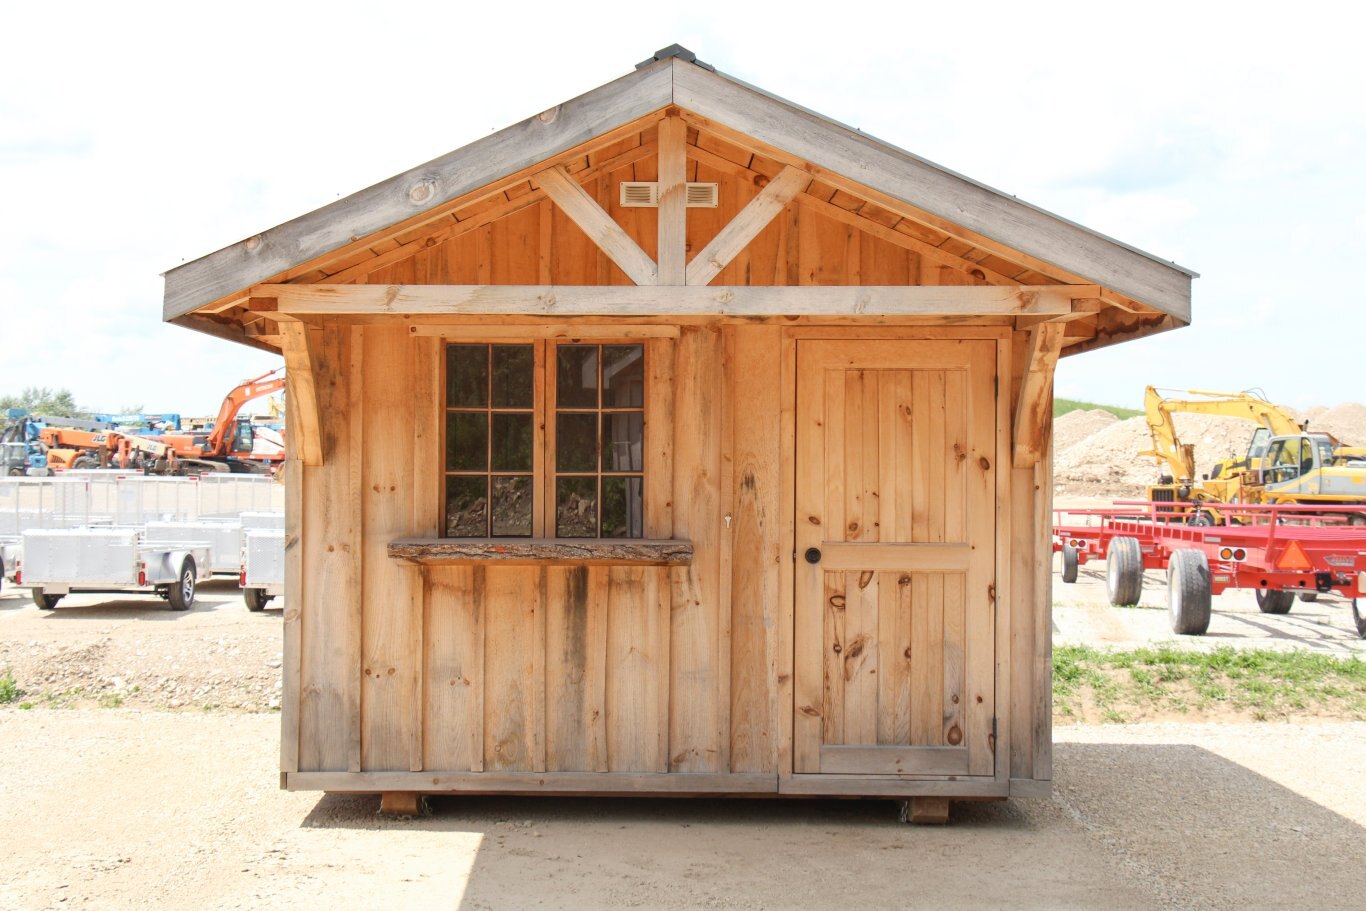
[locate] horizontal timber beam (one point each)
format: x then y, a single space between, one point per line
653 300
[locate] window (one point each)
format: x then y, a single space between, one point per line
545 439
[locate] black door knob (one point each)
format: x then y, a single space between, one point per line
813 555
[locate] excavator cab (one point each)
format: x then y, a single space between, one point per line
243 439
1295 461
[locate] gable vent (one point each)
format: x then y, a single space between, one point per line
639 194
702 195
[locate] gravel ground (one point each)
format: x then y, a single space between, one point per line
143 775
118 808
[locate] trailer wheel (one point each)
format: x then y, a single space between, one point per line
181 595
1359 620
256 598
1069 563
1124 571
1309 596
1274 602
1188 592
44 600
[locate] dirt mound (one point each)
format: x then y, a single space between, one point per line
1107 463
1347 422
1076 426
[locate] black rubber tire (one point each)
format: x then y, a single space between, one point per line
256 598
1201 519
1359 620
1124 571
44 600
16 472
1309 596
181 595
1270 601
82 463
1188 592
1069 563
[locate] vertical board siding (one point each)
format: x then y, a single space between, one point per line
575 669
513 693
694 742
453 635
754 394
330 571
391 736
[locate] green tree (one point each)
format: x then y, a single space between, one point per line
42 400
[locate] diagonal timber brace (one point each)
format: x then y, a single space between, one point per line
1035 407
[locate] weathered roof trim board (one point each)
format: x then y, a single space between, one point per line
425 187
940 192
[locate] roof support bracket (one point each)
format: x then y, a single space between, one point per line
300 344
746 225
1035 406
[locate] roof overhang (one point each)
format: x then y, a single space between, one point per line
832 150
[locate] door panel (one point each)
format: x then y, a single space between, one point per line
896 454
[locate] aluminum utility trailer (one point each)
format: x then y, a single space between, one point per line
1277 551
224 536
58 562
263 566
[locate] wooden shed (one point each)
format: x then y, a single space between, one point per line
676 440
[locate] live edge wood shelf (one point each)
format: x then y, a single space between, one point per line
542 552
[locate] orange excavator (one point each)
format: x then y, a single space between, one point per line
231 444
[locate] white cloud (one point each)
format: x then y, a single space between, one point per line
137 136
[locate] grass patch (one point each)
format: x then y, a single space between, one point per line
9 689
1091 683
1062 406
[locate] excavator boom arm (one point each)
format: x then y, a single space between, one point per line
264 384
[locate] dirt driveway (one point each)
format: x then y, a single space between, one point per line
143 775
126 809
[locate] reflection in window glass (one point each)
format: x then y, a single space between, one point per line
490 440
576 508
467 376
512 506
513 438
623 439
576 376
576 441
623 512
466 506
623 376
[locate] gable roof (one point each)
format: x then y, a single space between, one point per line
674 77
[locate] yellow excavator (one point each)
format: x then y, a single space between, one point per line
1285 463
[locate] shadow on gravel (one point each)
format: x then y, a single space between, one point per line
1214 832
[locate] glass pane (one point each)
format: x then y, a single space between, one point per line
623 376
623 508
466 507
512 506
512 441
513 370
576 442
623 438
467 441
576 508
467 376
576 376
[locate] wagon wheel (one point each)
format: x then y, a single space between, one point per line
1069 563
1274 602
1124 571
1188 592
1359 620
181 595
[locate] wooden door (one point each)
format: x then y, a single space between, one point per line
895 561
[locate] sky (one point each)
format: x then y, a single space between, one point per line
1228 138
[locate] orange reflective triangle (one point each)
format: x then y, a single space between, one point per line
1294 557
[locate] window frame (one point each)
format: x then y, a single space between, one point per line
543 472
